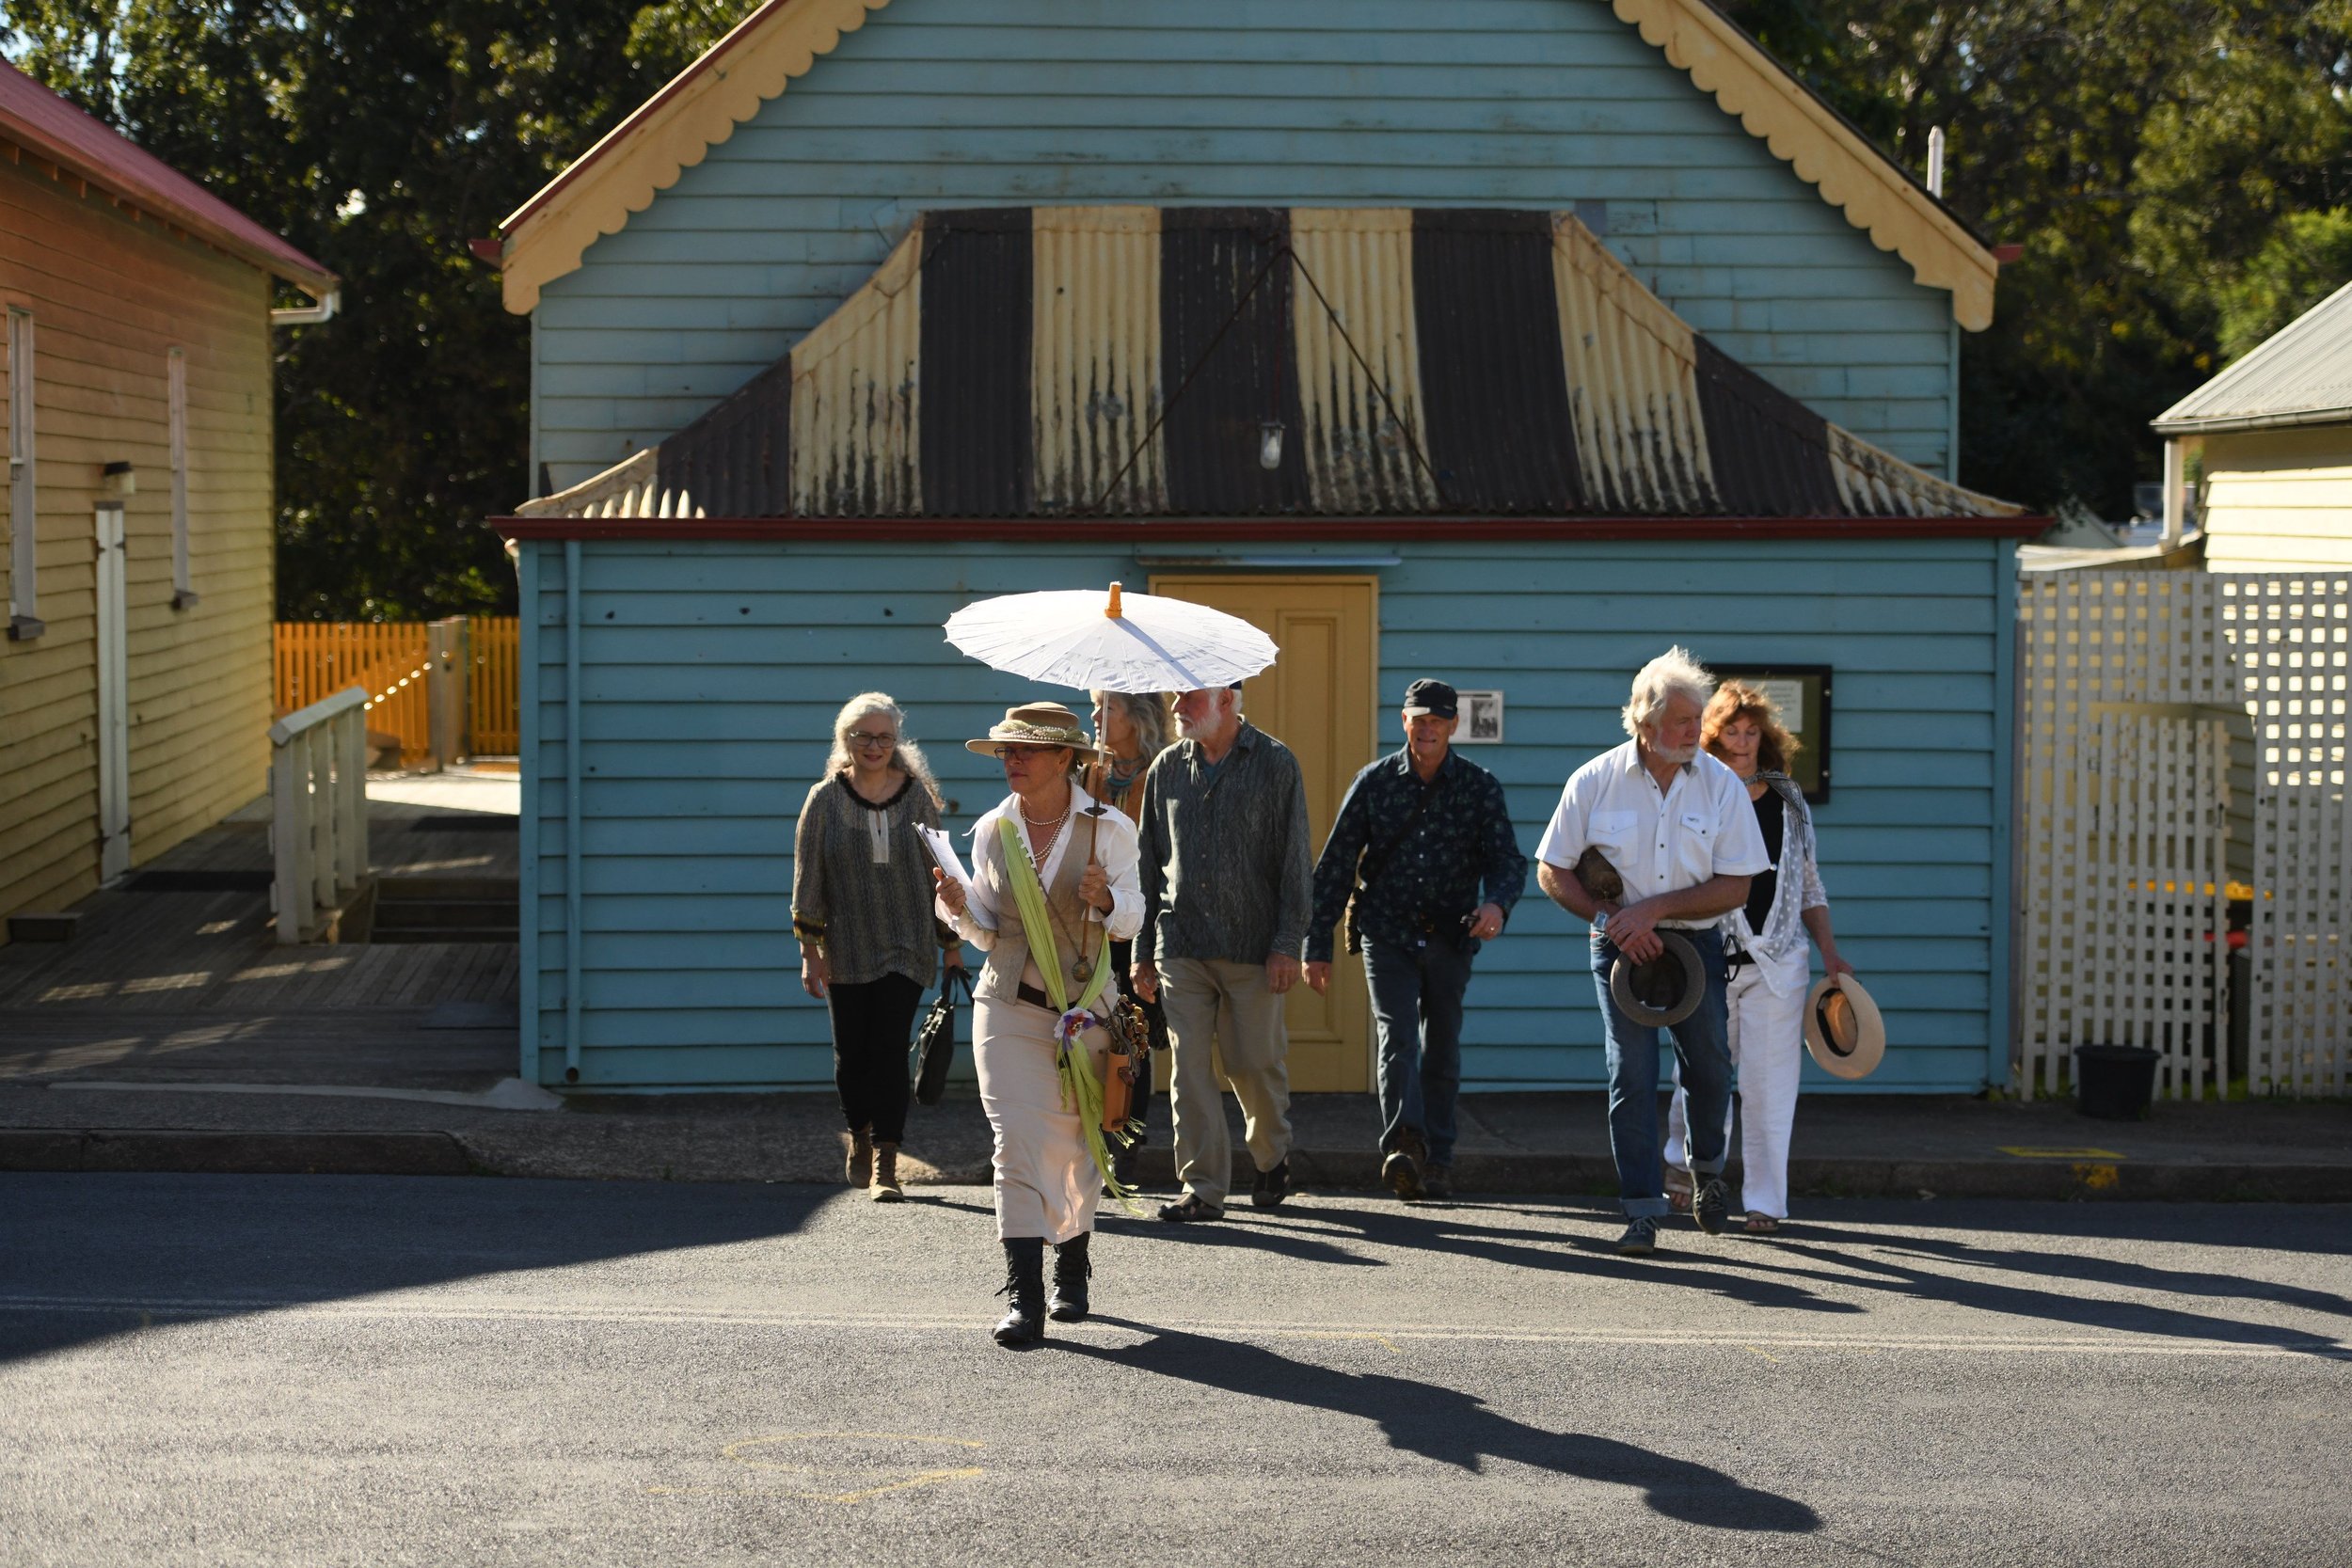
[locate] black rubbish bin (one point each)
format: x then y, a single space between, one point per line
2115 1082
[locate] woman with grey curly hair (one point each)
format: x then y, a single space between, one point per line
862 909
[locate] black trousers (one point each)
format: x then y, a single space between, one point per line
873 1026
1123 963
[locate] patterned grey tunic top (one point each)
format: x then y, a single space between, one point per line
861 883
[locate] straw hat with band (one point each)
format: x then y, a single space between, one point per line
1664 992
1035 724
1843 1030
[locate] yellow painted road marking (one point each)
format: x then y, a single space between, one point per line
1752 1351
2027 1151
740 1452
1346 1334
929 1477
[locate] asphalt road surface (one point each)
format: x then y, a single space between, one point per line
325 1370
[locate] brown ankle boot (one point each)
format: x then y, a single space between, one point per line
860 1172
886 1188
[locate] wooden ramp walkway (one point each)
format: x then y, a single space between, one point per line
176 974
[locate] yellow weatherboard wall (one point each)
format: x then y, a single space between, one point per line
110 298
2279 500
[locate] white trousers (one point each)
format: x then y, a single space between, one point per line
1046 1181
1766 1038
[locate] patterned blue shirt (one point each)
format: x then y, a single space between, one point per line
1463 840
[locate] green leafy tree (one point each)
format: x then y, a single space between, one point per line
2173 170
381 137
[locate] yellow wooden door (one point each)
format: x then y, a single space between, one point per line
1319 701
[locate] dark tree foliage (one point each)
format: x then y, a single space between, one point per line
2178 171
380 137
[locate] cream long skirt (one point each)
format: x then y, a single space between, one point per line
1047 1182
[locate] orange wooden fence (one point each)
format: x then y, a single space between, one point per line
318 659
495 644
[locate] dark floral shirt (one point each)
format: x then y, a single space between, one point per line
1434 877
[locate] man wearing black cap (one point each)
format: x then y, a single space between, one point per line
1420 835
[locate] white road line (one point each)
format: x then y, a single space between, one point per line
520 1309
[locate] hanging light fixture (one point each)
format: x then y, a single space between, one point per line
1270 445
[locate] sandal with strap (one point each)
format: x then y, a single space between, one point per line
1678 1186
1190 1210
1760 1224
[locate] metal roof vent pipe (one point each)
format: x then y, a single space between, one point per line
1935 163
317 313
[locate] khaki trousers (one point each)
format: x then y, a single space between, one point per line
1210 1001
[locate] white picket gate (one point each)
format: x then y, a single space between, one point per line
2180 731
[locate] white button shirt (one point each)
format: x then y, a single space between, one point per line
1703 826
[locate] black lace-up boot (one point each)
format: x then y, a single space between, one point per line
1024 1282
1072 1267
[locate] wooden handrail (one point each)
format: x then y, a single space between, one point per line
318 832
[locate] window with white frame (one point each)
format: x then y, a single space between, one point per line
182 583
23 604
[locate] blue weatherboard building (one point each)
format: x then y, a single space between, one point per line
1501 340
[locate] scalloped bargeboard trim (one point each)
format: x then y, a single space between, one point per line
643 155
1826 153
670 133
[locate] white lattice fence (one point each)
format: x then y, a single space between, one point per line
2291 636
2124 822
2131 683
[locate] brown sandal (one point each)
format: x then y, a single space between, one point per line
1678 1187
1760 1224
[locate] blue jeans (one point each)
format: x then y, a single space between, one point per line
1417 1007
1702 1048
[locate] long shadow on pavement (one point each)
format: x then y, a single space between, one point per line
1452 1427
83 1258
1781 1274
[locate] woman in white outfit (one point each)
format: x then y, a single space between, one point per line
1053 884
1764 944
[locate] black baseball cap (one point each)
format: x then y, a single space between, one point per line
1431 697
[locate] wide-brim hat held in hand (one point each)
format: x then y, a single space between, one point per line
1035 724
1664 992
1661 992
1843 1030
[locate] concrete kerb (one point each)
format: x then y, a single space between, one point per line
497 1152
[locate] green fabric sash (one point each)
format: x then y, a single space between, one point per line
1080 1087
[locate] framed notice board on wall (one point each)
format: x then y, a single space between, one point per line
1803 691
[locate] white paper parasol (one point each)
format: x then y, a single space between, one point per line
1127 642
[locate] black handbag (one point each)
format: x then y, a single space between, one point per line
935 1043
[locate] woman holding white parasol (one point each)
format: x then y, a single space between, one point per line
1053 884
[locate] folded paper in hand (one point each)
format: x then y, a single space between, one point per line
943 849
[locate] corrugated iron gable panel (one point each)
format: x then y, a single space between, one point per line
1494 387
736 459
1126 361
856 402
1358 359
1769 451
1632 377
977 325
1094 377
1227 344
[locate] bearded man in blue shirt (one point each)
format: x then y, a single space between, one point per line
1423 846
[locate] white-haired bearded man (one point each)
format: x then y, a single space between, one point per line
1682 835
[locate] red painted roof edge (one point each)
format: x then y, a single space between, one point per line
48 127
1258 530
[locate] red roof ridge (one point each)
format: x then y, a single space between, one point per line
48 127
